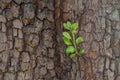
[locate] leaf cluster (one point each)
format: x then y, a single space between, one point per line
69 38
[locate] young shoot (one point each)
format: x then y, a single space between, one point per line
70 39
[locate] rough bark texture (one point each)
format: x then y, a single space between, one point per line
31 45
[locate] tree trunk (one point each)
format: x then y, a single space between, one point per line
31 45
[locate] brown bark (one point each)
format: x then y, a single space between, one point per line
31 45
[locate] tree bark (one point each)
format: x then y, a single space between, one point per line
31 45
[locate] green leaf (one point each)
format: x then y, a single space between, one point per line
66 26
72 55
67 35
74 26
74 32
70 49
81 51
79 39
67 41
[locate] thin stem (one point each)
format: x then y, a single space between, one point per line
74 43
